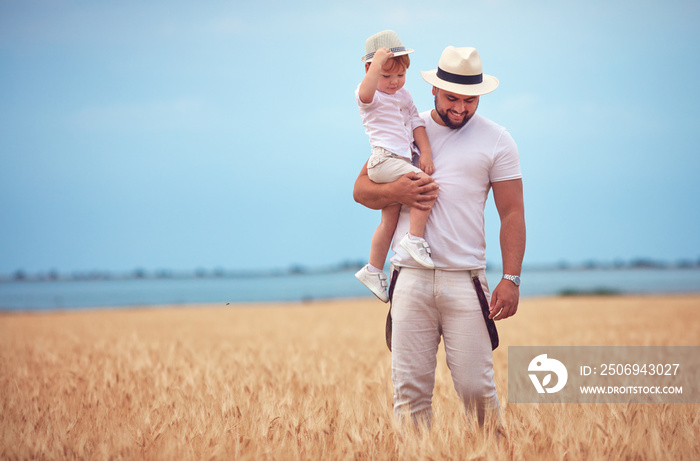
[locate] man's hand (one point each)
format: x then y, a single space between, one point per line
412 189
416 190
504 300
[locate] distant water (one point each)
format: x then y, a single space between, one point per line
146 292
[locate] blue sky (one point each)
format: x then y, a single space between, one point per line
183 135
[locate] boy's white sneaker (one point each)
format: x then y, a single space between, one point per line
419 250
375 281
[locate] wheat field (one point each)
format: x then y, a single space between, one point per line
310 381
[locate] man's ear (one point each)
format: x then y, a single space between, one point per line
367 64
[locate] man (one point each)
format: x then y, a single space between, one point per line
471 155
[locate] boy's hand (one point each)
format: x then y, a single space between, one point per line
381 56
425 163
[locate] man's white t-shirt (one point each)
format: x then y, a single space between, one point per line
467 161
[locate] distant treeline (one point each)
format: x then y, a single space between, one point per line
141 273
295 270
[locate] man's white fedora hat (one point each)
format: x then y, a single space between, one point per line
459 71
384 39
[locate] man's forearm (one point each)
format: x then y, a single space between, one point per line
411 189
373 195
513 242
508 197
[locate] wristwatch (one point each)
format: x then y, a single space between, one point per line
513 278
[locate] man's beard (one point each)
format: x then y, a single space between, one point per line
450 123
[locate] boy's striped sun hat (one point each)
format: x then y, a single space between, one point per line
384 39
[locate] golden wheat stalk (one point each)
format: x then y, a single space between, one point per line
309 381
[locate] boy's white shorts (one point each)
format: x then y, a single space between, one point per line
385 166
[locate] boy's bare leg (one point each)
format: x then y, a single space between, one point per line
381 240
419 218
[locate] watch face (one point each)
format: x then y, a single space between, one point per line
513 278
